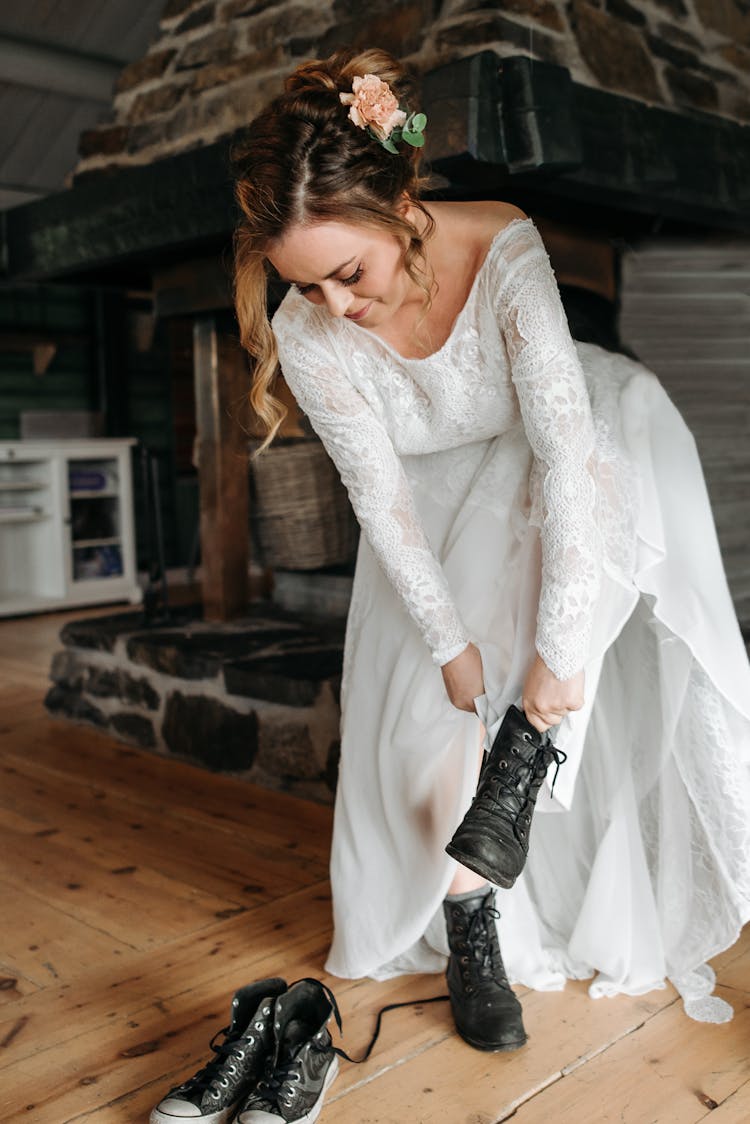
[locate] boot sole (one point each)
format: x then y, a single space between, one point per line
493 1048
497 878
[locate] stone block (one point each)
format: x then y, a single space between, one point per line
674 7
291 679
134 728
210 76
690 90
736 56
63 700
116 683
452 38
678 56
199 654
237 9
173 9
106 141
199 17
623 10
285 749
398 29
144 70
614 52
156 101
67 670
729 18
216 47
675 34
102 633
541 11
206 731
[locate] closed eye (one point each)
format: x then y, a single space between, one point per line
355 277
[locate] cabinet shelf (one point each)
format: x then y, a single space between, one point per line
79 544
21 516
101 493
22 485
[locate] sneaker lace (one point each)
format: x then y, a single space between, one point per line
210 1076
277 1084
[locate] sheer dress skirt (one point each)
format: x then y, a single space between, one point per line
639 866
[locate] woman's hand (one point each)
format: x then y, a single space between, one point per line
546 700
463 678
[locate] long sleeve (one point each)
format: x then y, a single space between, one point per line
378 488
556 413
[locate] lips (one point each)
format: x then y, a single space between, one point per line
358 315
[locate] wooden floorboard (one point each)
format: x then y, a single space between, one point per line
139 892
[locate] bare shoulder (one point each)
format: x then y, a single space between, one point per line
475 223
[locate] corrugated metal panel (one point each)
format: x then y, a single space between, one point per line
686 313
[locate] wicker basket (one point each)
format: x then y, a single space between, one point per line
300 513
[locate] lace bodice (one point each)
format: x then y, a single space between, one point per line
509 353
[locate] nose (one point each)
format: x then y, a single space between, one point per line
337 299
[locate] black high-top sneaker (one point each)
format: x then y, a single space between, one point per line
493 838
303 1060
486 1012
211 1095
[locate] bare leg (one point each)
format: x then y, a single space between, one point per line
465 879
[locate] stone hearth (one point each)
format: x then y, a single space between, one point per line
257 698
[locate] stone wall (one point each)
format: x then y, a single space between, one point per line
257 698
215 63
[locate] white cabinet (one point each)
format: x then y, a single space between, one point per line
66 524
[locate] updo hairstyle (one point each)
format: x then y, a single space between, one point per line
302 160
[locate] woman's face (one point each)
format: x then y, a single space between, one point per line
353 271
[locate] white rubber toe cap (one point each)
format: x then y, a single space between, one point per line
172 1109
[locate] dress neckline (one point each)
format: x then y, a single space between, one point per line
354 328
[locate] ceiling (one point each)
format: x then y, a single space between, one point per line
59 60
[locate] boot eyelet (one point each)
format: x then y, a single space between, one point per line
259 1026
526 736
521 832
464 960
503 764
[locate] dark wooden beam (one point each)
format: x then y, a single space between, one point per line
497 127
221 384
506 125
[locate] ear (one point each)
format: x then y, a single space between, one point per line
404 204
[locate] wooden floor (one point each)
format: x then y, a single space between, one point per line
138 894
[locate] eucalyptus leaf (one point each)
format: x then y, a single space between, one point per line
416 140
389 146
417 122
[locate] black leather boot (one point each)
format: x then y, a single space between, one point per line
493 838
486 1012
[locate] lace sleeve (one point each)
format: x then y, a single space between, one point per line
379 491
557 417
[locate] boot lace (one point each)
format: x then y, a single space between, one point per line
503 779
481 941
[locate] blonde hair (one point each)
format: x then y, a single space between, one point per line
302 160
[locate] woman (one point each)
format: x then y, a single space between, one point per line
535 529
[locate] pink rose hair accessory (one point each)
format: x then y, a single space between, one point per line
373 106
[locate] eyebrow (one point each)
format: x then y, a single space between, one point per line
327 277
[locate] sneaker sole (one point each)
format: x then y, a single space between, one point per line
497 878
309 1117
222 1117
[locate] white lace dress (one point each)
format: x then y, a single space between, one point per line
522 490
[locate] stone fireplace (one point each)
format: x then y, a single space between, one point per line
623 128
